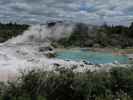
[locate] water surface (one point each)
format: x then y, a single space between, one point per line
93 57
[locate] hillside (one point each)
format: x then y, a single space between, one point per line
84 35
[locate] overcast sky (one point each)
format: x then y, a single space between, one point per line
91 11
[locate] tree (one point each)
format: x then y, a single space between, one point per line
130 32
79 34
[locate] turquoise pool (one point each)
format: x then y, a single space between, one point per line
92 57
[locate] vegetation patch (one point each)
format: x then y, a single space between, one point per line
10 30
65 84
84 35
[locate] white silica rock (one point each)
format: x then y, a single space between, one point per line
116 62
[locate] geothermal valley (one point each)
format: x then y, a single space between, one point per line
33 49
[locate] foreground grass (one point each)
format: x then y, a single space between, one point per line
64 84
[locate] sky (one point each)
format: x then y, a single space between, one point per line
88 11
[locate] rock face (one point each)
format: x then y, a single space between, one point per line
87 62
130 57
47 50
50 54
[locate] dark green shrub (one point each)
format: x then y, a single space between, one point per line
65 83
122 80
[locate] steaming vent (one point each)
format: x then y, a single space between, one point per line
32 49
52 31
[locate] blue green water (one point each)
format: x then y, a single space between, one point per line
92 57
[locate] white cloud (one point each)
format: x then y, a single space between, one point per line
95 11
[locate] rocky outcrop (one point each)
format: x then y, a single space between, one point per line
47 50
50 54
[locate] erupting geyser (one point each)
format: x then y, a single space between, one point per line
43 33
30 49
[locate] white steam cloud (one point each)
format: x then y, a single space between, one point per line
43 33
23 51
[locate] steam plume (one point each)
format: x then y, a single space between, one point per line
43 33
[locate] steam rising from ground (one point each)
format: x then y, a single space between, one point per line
44 33
23 52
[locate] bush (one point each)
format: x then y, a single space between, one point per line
122 80
64 84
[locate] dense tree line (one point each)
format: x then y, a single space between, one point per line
10 30
84 35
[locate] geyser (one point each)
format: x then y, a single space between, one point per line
44 33
23 51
